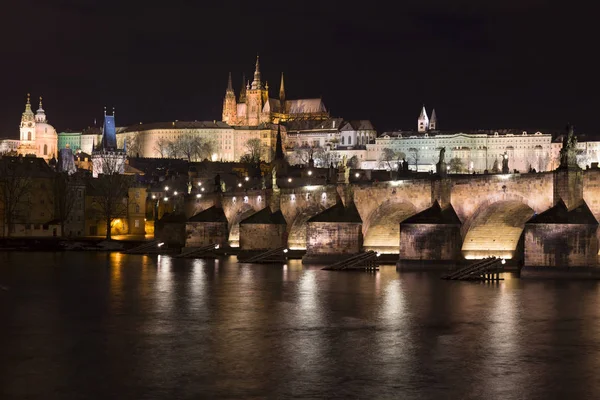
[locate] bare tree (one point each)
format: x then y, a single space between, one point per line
15 192
162 147
173 149
110 194
193 147
415 155
387 159
456 165
253 150
66 197
353 162
134 145
303 154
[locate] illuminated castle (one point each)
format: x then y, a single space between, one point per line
255 107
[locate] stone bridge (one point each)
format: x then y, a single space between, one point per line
492 208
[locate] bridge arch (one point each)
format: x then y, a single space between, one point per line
297 231
495 227
381 229
237 214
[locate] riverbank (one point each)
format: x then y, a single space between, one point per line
66 244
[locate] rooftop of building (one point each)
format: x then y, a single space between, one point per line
177 125
469 132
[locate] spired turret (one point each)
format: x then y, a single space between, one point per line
423 121
433 121
229 103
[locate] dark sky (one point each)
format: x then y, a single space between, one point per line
482 64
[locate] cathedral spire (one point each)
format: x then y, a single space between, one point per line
229 84
282 94
243 89
40 108
256 84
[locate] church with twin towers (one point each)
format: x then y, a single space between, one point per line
254 106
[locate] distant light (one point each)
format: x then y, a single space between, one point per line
166 188
166 199
154 196
309 173
202 189
246 179
175 193
239 185
289 179
216 246
378 254
199 183
503 261
357 175
198 195
160 244
285 250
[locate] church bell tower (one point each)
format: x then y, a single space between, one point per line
27 127
229 104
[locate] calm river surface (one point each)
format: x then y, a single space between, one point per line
112 326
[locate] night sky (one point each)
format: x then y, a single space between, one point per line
482 64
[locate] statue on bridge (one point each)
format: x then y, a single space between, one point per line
440 167
568 153
274 178
505 169
217 183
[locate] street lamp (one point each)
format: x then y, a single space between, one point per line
239 185
309 173
166 188
198 195
153 197
166 199
357 174
175 193
246 179
289 179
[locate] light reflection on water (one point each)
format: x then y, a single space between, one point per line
91 324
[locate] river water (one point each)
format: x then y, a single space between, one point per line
112 326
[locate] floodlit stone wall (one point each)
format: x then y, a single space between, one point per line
330 238
200 234
430 242
262 236
561 245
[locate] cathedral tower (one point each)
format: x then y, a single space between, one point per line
243 89
229 104
254 98
27 128
423 121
